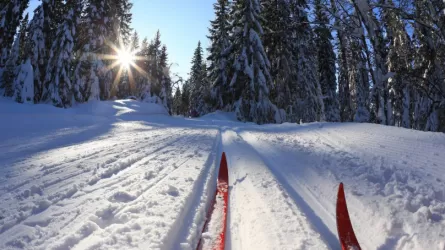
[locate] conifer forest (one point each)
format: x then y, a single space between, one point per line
269 61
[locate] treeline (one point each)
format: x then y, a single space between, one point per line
69 53
271 61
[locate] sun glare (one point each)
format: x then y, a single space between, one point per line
125 58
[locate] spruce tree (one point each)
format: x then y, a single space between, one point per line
429 95
90 72
279 45
10 16
58 73
134 42
11 69
165 80
218 71
24 83
185 99
326 64
308 103
141 75
251 79
177 102
400 60
197 75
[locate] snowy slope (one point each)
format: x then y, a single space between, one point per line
123 175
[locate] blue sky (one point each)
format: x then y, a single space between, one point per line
182 24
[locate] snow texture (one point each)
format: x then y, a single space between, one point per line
124 175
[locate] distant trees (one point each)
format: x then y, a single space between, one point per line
269 61
70 51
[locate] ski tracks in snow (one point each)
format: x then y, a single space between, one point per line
262 214
395 200
136 187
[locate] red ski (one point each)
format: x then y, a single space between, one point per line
346 233
218 210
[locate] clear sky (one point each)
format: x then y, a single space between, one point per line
182 24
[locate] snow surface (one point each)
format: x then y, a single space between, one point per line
124 175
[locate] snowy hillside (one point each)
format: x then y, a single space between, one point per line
123 175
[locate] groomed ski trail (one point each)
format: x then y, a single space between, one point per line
262 215
137 186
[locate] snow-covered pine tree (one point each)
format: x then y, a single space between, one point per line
308 104
153 54
429 71
177 102
90 72
24 83
344 97
196 80
185 99
358 73
134 42
58 73
326 63
37 40
379 74
218 70
23 80
165 79
141 75
11 13
400 60
117 20
10 70
279 46
251 80
24 49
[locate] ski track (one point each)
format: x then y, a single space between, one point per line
146 182
109 192
262 214
395 194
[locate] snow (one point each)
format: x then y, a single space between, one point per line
124 175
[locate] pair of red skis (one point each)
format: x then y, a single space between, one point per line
346 234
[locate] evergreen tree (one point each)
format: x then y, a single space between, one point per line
326 64
379 75
141 75
24 83
153 54
177 102
279 44
185 99
11 68
165 80
36 43
399 61
218 71
24 50
429 96
358 74
197 75
134 44
16 56
251 79
10 16
58 79
90 72
309 105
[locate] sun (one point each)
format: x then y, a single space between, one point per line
125 57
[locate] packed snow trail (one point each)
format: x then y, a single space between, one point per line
394 178
105 184
261 213
124 175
